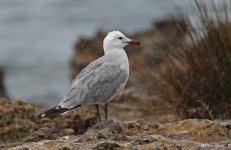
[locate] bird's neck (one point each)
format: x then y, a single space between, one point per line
115 51
118 56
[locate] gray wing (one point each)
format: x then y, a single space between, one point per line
97 83
90 68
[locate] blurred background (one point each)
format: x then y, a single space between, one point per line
37 38
181 71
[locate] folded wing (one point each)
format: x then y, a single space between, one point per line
98 83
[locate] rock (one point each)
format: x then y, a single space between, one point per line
69 131
18 123
107 145
143 135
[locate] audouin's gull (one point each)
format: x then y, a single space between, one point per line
101 80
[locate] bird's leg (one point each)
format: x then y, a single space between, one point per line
105 110
97 109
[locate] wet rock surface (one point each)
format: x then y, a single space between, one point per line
143 135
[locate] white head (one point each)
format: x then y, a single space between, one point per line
116 40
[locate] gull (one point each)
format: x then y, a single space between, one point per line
101 80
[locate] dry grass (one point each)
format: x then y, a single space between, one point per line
196 78
210 64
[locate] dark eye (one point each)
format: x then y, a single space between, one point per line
120 38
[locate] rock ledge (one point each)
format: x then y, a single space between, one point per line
143 135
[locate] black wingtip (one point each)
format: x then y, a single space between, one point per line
53 112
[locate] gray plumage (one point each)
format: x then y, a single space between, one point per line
101 80
98 83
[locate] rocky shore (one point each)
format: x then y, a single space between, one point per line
146 115
18 123
143 135
79 129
